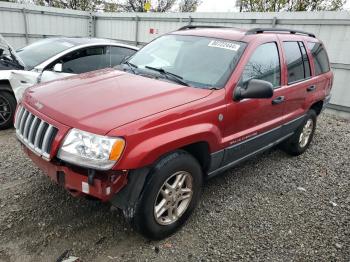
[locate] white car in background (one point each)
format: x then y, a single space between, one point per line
50 59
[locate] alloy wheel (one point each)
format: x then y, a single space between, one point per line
173 198
306 133
5 110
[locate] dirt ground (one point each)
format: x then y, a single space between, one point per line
271 208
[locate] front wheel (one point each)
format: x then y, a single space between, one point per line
7 109
303 136
169 197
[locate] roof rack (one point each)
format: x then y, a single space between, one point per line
186 27
291 31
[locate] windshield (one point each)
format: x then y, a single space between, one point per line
199 61
38 52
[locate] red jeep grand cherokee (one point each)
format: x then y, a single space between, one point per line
186 107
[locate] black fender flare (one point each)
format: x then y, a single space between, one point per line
127 198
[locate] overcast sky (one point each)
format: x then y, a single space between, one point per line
217 6
228 6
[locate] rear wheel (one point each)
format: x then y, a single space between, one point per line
302 138
169 197
7 109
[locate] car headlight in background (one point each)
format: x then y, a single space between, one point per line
90 150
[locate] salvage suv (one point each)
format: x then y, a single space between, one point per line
188 106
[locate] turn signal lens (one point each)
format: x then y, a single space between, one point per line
117 149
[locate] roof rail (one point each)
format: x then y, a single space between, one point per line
291 31
186 27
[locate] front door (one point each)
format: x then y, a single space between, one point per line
253 124
79 61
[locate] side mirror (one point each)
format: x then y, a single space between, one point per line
256 88
57 67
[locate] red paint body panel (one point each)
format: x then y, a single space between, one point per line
73 180
156 117
103 100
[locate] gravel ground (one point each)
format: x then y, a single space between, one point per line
272 208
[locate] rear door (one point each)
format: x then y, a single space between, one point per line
298 81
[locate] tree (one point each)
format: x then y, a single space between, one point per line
138 5
111 7
189 5
164 5
133 5
289 5
84 5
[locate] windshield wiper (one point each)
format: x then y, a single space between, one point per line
171 76
131 66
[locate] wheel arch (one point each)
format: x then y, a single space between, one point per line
197 140
201 152
317 106
5 85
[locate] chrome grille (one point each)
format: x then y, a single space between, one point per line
35 133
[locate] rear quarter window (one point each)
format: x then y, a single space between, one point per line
320 58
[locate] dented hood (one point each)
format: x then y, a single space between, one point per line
102 100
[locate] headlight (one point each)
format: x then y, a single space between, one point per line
90 150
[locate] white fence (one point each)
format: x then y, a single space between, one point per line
22 24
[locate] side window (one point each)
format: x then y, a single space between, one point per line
264 64
85 60
320 58
298 64
118 54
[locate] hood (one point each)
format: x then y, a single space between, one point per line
102 100
8 57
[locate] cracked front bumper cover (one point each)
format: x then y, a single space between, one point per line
77 183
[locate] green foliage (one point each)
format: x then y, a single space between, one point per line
83 5
138 5
189 5
289 5
110 5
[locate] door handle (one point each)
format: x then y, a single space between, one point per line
311 88
278 100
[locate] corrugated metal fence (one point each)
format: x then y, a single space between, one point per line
22 24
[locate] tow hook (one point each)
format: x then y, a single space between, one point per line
91 176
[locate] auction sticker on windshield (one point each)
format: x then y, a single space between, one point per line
224 45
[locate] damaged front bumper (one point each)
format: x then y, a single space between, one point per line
77 181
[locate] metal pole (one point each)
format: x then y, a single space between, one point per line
274 21
95 27
136 30
90 25
25 25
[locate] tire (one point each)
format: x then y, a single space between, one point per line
168 169
300 141
8 106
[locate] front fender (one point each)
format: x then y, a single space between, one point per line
21 80
152 148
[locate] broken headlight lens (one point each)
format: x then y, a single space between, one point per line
90 150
